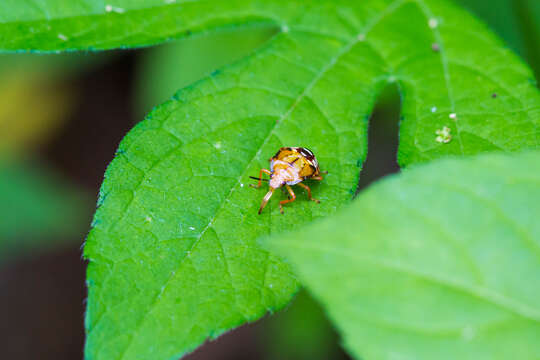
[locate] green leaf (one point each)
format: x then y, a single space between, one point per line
39 210
441 261
172 255
57 25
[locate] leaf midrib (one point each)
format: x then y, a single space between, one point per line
428 14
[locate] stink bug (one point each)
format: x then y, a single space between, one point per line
290 166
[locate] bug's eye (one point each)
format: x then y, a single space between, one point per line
306 153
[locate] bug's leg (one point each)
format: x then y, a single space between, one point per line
308 192
319 177
283 202
260 178
265 199
284 191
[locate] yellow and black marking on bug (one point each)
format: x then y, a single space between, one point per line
290 166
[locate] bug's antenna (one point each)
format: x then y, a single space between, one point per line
265 199
256 178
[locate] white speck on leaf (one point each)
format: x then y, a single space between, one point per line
361 37
148 219
443 135
468 333
62 37
241 184
284 28
191 228
110 8
433 23
217 145
453 116
434 109
170 1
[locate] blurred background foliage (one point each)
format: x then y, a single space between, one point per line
40 209
517 22
62 117
165 69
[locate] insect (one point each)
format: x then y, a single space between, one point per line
290 166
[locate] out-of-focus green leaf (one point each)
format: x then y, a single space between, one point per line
51 66
35 99
516 21
300 332
442 261
501 16
23 126
39 210
529 21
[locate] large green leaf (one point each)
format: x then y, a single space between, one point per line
173 253
440 262
173 256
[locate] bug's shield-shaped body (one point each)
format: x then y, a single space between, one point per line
290 166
